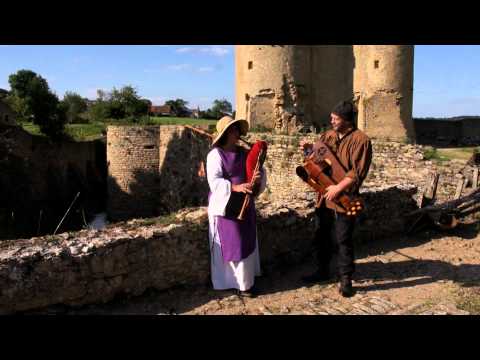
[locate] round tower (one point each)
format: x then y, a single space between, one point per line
383 88
272 86
331 80
133 171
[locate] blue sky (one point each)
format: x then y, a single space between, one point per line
447 78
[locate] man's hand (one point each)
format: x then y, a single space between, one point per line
332 192
305 145
243 188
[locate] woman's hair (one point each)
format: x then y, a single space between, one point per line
223 139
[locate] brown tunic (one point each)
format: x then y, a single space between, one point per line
354 151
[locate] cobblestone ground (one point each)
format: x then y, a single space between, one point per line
431 274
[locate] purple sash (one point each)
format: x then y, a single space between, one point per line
237 237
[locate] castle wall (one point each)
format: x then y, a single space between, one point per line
331 80
182 160
289 88
94 266
154 170
383 86
272 86
133 173
39 180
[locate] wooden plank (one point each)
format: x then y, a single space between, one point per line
458 192
475 178
428 196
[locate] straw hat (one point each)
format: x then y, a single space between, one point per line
225 122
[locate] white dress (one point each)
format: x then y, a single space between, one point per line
233 274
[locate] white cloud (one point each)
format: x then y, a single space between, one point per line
215 50
185 50
178 67
206 69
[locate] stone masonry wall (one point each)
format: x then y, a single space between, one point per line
154 170
95 266
133 176
40 178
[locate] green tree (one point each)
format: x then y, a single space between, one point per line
74 105
221 107
38 102
179 106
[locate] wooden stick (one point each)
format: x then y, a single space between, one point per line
475 178
252 182
61 221
472 197
428 196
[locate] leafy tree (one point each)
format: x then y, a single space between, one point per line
32 94
179 106
221 107
73 105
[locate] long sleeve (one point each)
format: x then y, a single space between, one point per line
219 186
361 160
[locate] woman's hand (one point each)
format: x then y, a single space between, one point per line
243 188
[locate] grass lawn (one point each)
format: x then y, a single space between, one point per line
460 153
94 130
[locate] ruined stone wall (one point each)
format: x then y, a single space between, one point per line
448 132
154 170
273 85
7 116
331 80
290 87
133 174
183 154
128 258
95 266
383 87
471 131
393 164
39 179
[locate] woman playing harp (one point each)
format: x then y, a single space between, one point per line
234 251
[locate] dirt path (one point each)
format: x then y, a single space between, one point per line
429 274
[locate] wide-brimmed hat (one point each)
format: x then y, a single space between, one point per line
225 122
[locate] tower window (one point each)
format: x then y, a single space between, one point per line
376 64
250 65
247 97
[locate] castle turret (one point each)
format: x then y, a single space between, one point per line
272 86
290 87
383 87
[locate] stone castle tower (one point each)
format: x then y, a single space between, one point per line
290 88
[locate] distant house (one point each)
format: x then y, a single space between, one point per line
7 115
164 110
